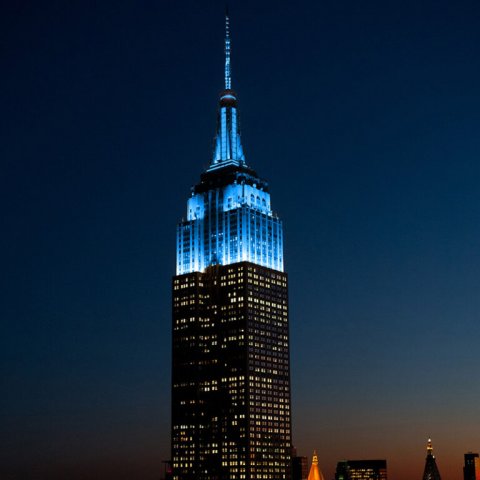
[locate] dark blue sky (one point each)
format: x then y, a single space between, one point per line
365 119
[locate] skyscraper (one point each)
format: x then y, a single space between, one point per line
361 470
471 470
431 470
230 351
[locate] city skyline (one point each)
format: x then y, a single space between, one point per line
364 119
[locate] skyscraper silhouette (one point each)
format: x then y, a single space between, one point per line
431 470
230 351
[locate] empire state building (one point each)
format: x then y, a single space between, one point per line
230 350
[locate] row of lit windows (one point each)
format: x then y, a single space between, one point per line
269 303
232 282
279 383
278 404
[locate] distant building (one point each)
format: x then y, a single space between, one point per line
471 470
431 470
361 470
315 473
167 473
299 468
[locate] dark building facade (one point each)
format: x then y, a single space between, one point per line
299 468
361 470
471 469
230 350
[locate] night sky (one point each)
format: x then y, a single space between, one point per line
363 116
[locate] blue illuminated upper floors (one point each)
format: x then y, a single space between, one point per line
227 225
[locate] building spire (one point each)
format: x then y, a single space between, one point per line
228 148
429 447
315 473
228 77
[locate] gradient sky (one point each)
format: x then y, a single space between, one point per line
365 119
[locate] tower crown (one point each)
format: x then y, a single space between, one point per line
315 473
229 214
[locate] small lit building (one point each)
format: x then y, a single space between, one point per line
361 470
